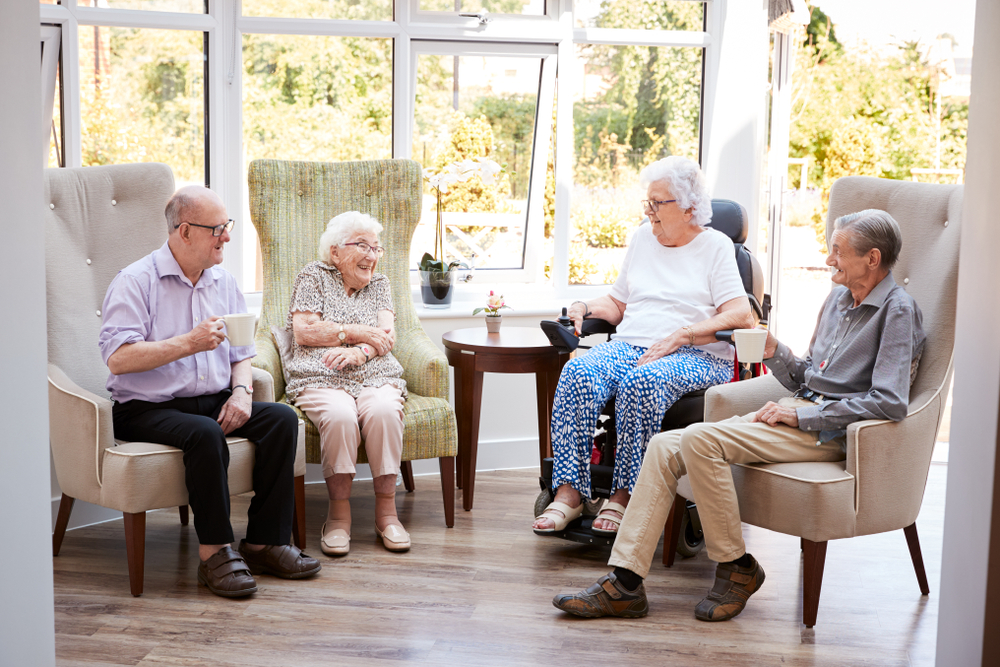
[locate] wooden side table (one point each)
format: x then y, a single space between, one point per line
473 352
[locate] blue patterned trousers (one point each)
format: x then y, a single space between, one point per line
643 395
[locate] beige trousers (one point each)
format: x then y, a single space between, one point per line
704 452
377 414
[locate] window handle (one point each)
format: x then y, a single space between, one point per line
483 16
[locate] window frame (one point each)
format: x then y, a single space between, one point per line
554 31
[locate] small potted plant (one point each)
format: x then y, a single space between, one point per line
494 304
436 276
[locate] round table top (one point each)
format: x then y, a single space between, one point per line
509 340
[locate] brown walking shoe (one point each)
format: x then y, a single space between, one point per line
606 597
287 561
733 587
226 574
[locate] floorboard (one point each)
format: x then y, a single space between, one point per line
479 594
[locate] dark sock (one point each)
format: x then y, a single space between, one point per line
630 580
743 561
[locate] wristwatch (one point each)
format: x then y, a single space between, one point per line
248 390
343 334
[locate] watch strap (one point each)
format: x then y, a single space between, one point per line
245 388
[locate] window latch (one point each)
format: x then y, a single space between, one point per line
483 16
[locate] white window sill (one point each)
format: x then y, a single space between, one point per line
525 300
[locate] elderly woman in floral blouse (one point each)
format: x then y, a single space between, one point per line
344 377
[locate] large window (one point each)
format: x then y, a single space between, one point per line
633 106
207 87
142 98
470 107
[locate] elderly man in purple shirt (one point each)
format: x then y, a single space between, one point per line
176 381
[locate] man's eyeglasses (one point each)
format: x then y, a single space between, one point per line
654 205
365 248
216 230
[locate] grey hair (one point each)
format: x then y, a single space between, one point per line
343 229
178 203
686 182
873 228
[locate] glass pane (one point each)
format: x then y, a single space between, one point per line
364 10
523 7
142 98
55 130
470 107
188 6
633 106
640 15
315 98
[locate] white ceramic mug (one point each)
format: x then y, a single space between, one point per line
750 345
240 328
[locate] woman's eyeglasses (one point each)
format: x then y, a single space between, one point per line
216 230
654 205
365 248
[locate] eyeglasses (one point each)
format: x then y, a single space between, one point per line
216 230
365 248
654 205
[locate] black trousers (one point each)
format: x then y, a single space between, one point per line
189 425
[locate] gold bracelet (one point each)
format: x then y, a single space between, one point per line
690 333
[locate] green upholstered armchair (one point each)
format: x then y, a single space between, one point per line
290 205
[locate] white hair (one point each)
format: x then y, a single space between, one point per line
686 183
344 228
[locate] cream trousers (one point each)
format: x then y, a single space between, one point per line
704 452
377 415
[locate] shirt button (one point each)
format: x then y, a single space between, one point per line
201 377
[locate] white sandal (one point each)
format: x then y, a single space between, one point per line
609 507
561 515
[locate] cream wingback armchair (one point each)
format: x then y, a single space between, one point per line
880 486
290 204
98 220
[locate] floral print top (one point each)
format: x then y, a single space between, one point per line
319 288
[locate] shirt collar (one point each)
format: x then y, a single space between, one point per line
876 297
166 265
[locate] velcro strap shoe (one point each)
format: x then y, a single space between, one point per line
733 587
286 561
226 574
606 597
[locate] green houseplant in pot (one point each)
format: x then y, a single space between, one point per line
437 277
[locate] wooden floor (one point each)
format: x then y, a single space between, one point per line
479 594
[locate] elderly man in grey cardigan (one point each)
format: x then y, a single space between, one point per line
861 361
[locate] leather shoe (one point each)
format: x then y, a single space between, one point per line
226 574
606 597
286 561
733 587
335 542
394 538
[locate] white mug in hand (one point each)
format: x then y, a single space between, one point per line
240 328
750 345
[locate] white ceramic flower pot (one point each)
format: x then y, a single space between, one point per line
493 324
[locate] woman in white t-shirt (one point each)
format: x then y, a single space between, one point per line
679 284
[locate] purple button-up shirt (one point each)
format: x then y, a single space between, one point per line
152 300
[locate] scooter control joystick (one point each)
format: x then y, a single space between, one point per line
565 320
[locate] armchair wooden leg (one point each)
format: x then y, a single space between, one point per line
814 558
299 520
135 549
62 520
918 560
447 464
672 530
406 468
185 516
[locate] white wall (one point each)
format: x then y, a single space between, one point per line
972 457
26 602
